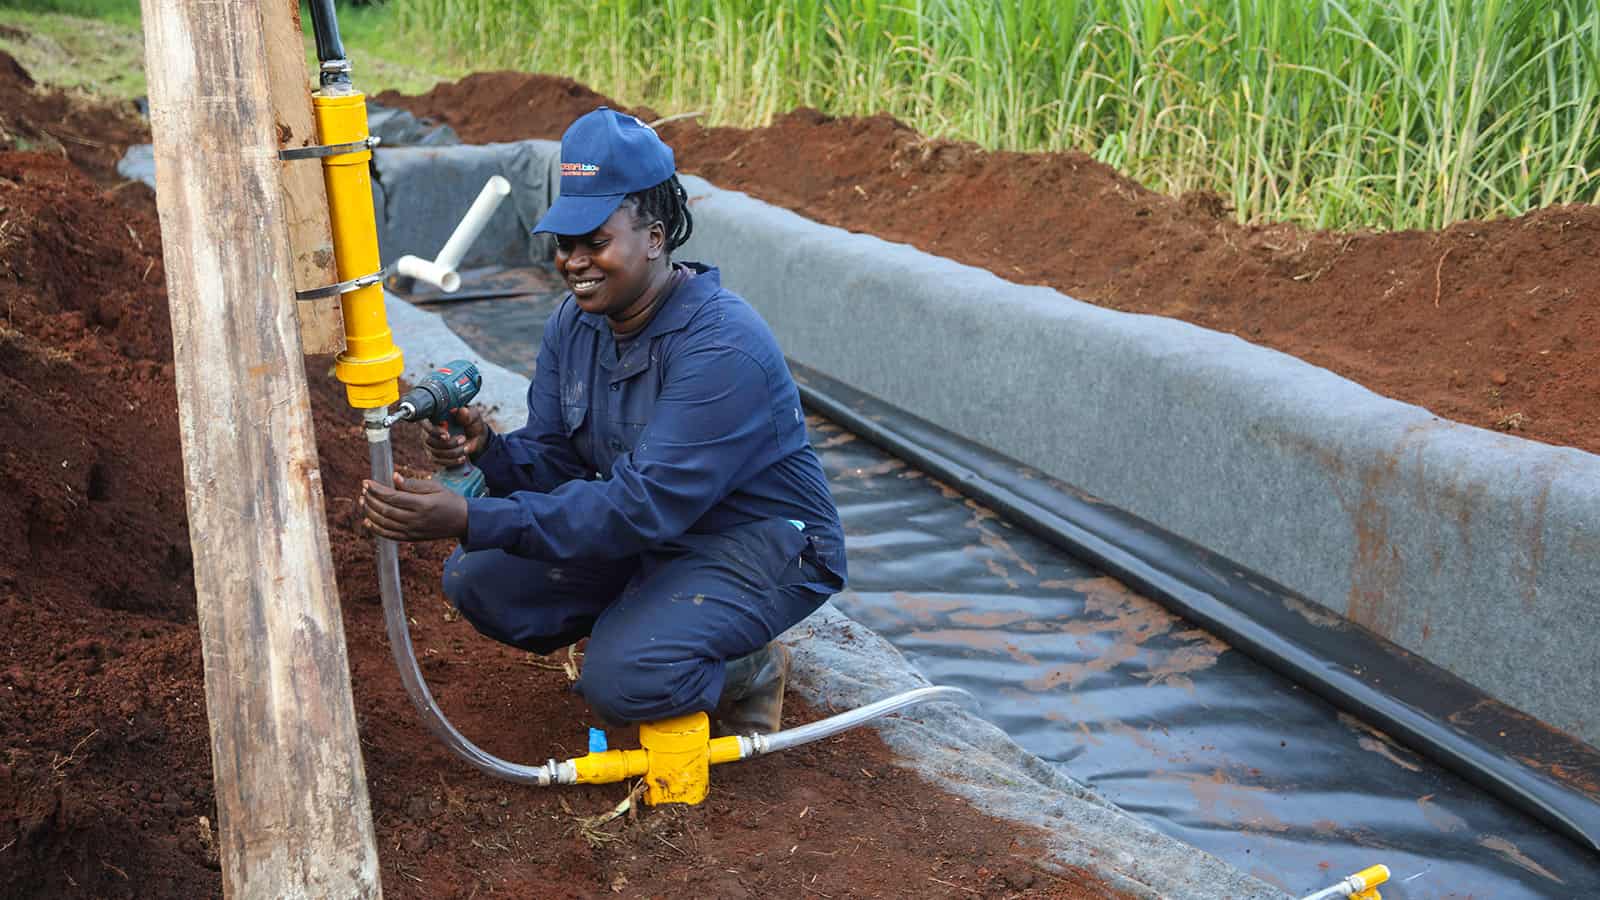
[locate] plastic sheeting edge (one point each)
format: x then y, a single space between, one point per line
1256 616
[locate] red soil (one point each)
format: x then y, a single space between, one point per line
105 784
1487 323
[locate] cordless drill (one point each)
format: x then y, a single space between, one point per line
445 390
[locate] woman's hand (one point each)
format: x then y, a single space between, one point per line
452 450
413 510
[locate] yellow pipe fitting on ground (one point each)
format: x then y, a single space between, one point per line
1363 885
726 750
670 760
610 766
1367 880
371 364
679 766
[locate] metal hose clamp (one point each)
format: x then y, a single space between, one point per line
343 287
318 151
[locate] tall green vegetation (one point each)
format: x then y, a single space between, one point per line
1332 113
122 11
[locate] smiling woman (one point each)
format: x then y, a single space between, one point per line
663 498
622 268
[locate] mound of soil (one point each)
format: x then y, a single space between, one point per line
90 132
537 106
1487 323
105 779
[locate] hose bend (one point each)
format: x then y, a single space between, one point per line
381 453
815 731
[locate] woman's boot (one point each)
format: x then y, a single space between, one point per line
752 693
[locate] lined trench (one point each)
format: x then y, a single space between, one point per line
1161 717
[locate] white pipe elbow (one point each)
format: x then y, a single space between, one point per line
430 271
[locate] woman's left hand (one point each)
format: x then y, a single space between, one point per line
414 510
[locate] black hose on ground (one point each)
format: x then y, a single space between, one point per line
1418 703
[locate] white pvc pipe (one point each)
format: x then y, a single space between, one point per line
442 277
494 190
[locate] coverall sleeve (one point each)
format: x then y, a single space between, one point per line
539 456
711 426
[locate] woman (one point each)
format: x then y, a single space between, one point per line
662 498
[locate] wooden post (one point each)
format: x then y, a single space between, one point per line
291 791
305 198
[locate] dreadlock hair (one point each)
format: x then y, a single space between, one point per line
667 203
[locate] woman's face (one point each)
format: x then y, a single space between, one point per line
609 269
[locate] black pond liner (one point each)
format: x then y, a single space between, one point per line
1231 714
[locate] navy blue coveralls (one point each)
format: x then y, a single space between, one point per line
667 503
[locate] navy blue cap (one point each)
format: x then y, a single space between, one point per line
605 156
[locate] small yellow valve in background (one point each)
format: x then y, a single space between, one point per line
1363 885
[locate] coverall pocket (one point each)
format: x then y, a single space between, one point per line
774 547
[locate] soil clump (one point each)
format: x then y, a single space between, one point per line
88 131
105 778
1487 323
536 106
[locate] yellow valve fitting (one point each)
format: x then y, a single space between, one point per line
1368 880
371 364
675 760
679 766
1372 876
610 766
725 750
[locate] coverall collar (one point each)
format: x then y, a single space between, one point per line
676 310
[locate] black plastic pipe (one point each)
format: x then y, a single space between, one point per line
325 27
1418 703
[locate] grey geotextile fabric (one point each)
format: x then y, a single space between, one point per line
138 163
440 183
1476 550
399 128
427 343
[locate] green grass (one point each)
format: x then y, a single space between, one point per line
97 46
1329 113
1332 113
383 60
124 12
103 56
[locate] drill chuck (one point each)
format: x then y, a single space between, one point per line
406 413
444 390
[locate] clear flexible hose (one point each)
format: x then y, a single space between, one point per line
814 731
381 453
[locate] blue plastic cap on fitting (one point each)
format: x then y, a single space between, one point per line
597 741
